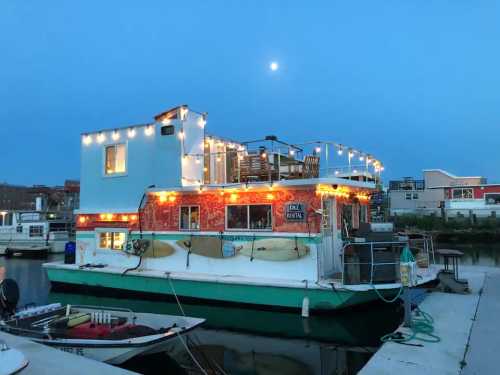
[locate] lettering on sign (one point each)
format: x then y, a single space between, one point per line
295 212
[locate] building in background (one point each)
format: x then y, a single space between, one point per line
428 195
474 201
60 200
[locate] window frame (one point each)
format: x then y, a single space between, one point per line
98 233
248 229
486 199
104 155
462 195
199 217
32 235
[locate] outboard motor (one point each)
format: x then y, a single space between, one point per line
9 297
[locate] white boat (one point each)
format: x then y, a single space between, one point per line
110 335
11 360
32 233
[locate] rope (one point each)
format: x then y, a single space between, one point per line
191 354
388 300
422 324
253 243
175 295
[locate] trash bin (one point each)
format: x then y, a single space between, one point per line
69 252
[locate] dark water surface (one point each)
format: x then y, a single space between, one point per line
476 254
238 340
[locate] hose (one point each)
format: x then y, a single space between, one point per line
422 329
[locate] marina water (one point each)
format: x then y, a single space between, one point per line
249 341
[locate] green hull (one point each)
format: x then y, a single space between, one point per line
284 297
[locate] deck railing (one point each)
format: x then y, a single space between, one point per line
378 262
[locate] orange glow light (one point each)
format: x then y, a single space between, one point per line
269 196
109 216
102 216
233 197
171 199
133 217
82 219
124 217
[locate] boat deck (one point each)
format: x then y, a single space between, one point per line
44 360
466 325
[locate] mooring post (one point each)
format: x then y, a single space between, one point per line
407 306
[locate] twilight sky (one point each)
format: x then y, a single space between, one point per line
414 82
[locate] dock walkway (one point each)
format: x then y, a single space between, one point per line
467 328
48 361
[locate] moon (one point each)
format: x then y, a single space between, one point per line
274 66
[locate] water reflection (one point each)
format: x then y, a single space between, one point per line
238 340
477 254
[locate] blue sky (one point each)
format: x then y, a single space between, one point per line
414 82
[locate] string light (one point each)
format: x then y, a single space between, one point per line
291 152
184 112
82 219
115 135
131 132
361 158
340 151
133 217
166 121
149 130
233 197
317 149
101 137
87 139
202 121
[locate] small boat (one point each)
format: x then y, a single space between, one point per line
11 360
111 335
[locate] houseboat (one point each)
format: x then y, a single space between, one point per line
168 210
33 233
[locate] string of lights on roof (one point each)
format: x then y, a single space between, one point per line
234 147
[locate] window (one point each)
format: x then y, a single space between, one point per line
36 230
408 196
6 219
462 193
415 195
115 159
112 240
492 198
190 218
249 217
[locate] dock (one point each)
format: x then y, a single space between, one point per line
466 325
44 360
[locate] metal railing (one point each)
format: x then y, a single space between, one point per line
378 262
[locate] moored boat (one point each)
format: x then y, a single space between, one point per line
110 335
168 210
33 233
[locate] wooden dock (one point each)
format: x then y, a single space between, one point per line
466 324
48 361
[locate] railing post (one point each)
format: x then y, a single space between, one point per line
371 273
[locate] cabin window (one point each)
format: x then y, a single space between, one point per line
6 219
492 198
408 196
190 218
36 230
115 162
462 193
249 217
112 240
415 195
